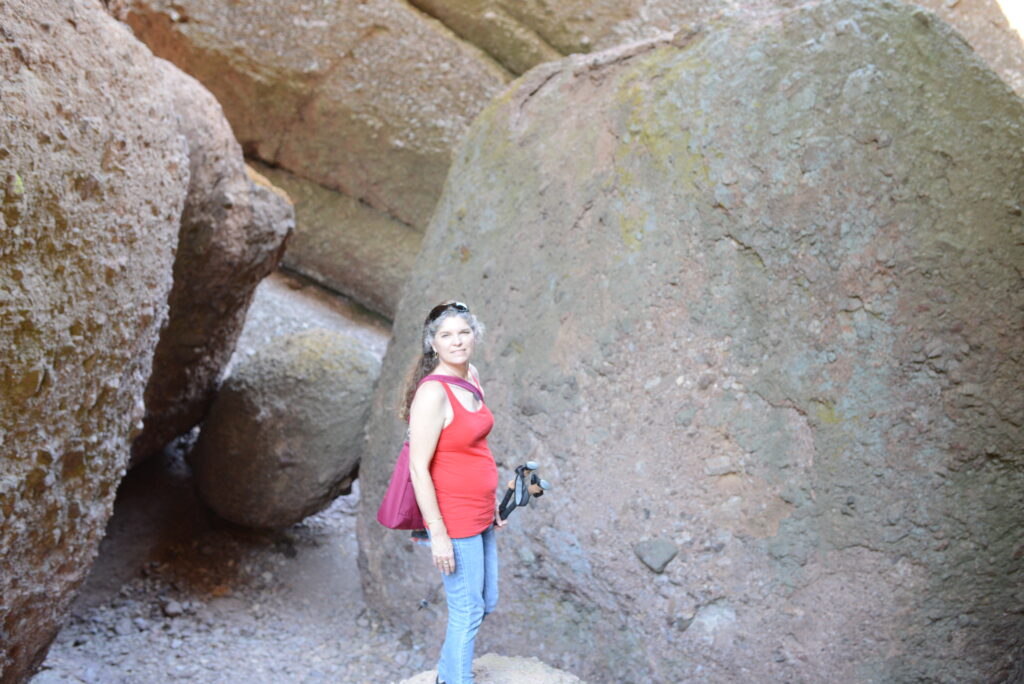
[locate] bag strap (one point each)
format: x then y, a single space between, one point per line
458 382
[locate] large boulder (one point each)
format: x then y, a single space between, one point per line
523 33
346 245
503 30
755 305
285 434
93 178
232 234
367 99
363 97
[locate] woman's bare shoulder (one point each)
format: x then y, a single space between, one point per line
430 401
430 392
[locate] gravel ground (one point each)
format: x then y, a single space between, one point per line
178 594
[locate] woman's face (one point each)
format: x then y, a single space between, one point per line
454 340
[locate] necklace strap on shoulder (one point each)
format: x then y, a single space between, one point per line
458 382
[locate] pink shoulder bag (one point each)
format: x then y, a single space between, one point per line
399 509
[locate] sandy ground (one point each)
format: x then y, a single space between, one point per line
491 668
178 594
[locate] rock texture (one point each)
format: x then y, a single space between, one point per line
94 175
524 33
233 232
498 29
756 292
984 26
285 434
285 304
364 97
346 245
496 669
367 99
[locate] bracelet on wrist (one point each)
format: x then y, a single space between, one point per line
435 520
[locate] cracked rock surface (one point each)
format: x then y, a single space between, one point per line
363 97
755 291
521 34
346 245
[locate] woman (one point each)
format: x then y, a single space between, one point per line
455 479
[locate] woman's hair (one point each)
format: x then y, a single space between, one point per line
428 357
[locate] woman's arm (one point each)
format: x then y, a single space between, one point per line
426 419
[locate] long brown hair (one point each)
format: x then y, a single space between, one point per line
428 358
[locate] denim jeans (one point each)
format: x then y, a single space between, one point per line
472 593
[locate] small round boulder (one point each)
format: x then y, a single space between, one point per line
285 434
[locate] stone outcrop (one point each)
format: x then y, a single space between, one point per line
498 29
496 669
233 232
524 33
755 292
346 245
93 178
285 304
285 434
363 97
367 99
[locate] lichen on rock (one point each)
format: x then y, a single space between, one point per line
754 290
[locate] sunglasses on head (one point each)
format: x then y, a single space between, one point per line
441 308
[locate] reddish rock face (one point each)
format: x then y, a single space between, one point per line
233 232
94 175
754 293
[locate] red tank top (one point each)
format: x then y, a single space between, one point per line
463 470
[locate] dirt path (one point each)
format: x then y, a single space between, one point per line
178 594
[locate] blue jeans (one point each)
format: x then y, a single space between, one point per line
472 593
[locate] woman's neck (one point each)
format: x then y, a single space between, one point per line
460 370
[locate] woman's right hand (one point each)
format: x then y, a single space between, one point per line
443 552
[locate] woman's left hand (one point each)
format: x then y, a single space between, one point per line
498 522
